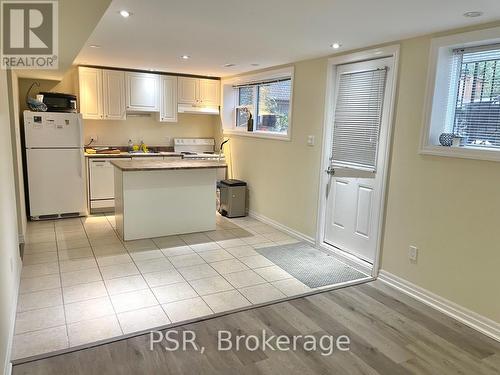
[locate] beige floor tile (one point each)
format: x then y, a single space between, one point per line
211 285
77 264
34 320
84 252
277 236
243 279
82 292
263 229
187 309
119 270
168 242
255 239
160 278
202 247
126 284
37 258
186 260
145 244
242 251
195 238
36 284
220 234
154 265
235 242
93 330
140 255
33 248
38 342
41 236
73 244
108 249
133 300
43 269
225 301
261 293
39 300
216 255
174 292
256 261
88 309
177 250
80 277
113 259
291 287
142 319
273 273
228 266
197 272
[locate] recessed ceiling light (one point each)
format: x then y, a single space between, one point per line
228 65
255 64
125 13
473 14
185 57
95 46
336 45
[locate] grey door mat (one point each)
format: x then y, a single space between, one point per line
311 266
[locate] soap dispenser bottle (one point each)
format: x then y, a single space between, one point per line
130 145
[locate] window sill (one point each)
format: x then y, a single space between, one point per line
462 152
266 135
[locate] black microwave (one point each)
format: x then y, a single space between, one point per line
59 102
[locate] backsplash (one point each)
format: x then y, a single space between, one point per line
149 130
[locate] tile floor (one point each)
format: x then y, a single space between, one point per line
81 284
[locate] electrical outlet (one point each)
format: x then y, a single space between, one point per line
413 254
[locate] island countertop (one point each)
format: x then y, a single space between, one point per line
156 165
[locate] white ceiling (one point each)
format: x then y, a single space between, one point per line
264 32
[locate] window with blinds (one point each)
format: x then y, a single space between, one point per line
475 96
357 119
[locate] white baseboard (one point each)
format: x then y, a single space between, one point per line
275 224
478 322
8 364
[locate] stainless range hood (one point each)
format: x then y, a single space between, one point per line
204 110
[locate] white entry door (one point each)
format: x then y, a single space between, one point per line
361 120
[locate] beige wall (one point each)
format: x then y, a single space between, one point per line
9 248
449 208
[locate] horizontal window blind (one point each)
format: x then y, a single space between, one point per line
475 95
357 120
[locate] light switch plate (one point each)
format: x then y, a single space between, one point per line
311 140
413 254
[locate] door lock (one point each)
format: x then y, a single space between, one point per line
330 171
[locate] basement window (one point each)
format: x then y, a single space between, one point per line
464 114
262 105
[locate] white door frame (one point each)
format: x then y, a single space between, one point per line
382 52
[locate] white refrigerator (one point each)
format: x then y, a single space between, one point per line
55 164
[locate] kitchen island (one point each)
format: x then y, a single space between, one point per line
164 197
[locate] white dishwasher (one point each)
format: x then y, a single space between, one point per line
102 185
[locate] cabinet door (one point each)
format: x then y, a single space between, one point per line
188 90
168 99
90 90
114 94
209 92
142 92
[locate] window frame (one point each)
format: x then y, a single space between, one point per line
437 94
230 102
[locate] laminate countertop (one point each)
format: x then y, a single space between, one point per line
157 165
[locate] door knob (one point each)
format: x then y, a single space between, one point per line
330 171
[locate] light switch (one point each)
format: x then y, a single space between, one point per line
311 140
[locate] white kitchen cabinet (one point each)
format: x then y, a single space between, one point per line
90 93
114 94
168 99
209 92
196 91
142 92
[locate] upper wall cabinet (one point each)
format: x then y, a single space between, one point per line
142 92
90 88
168 99
114 94
102 94
196 91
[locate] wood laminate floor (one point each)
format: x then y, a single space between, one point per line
390 333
